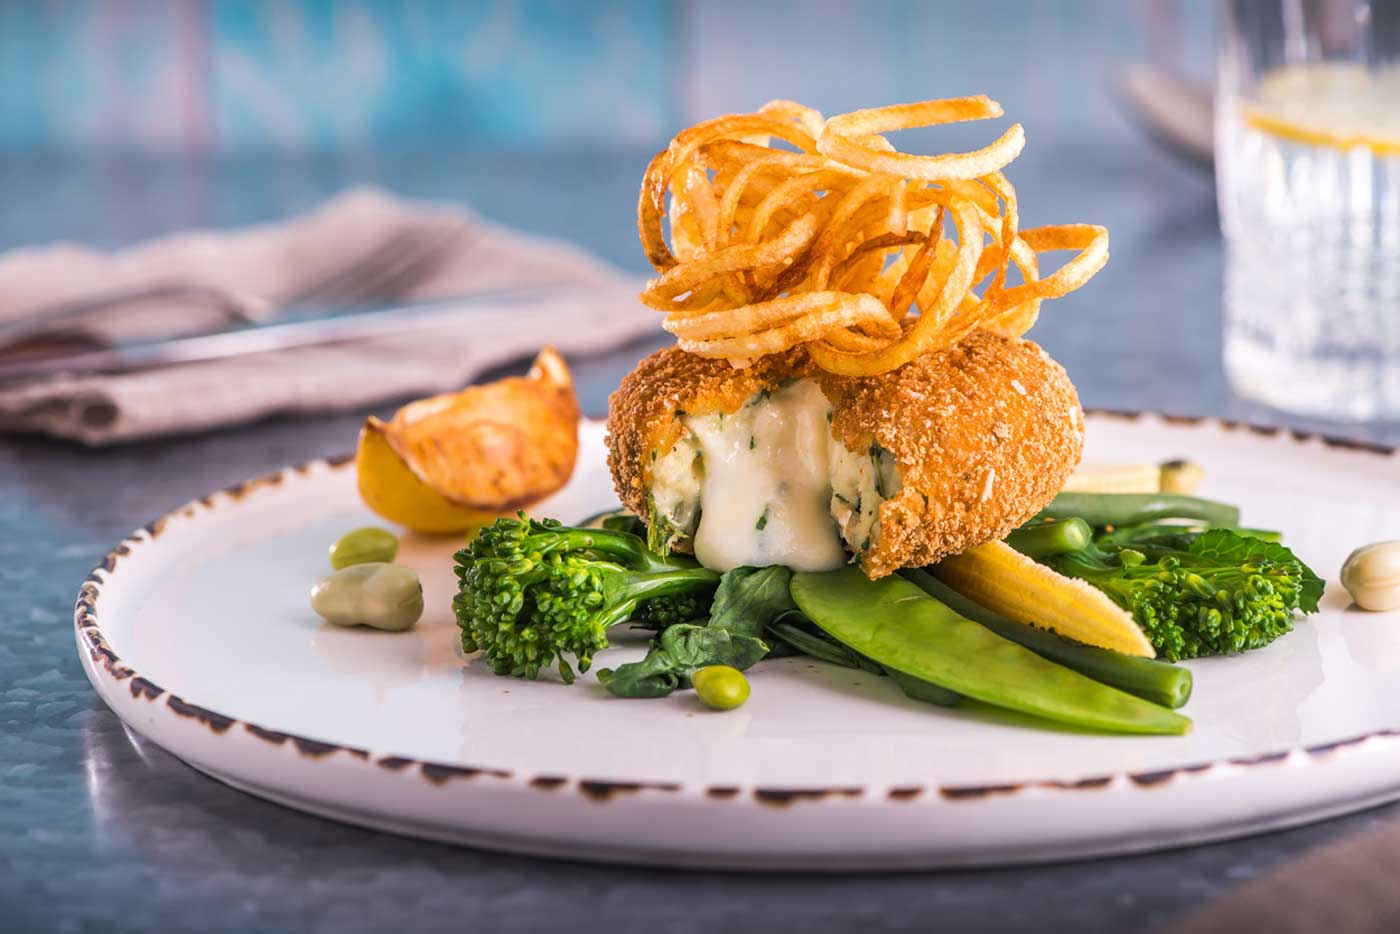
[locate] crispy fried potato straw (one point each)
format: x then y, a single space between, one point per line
852 139
771 327
867 255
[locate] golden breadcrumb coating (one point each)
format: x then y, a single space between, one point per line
644 413
985 433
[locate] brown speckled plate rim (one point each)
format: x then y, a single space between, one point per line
107 662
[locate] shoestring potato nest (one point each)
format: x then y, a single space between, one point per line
866 255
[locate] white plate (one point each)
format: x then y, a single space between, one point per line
196 631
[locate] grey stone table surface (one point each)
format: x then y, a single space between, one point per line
100 831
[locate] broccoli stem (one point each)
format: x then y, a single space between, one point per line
1264 535
1223 593
531 593
1115 509
1042 539
623 547
627 590
1160 682
1172 535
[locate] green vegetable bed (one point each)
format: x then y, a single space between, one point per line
538 594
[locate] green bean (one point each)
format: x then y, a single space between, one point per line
1043 539
895 623
1160 682
817 647
779 648
1101 509
822 647
925 691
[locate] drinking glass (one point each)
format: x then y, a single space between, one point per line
1307 155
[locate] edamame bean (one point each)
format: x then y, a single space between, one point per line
379 595
363 546
1371 575
720 687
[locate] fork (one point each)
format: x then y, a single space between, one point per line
387 270
393 265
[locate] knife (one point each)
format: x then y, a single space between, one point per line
339 328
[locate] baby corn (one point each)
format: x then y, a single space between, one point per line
1178 476
1114 478
1007 582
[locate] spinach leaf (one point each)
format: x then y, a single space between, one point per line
748 599
651 677
681 650
690 647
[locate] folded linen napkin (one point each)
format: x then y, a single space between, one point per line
270 263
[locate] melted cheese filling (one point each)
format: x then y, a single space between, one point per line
769 485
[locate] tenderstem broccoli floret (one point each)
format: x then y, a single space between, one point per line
1221 593
532 593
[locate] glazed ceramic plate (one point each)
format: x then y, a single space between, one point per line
197 632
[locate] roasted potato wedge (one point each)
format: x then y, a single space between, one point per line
449 462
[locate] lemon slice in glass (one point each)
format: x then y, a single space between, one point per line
1341 106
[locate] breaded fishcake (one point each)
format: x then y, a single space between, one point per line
985 433
644 414
982 435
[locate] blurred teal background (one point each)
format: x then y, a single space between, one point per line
233 76
123 120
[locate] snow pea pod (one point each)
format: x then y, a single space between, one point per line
838 654
895 623
1149 678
